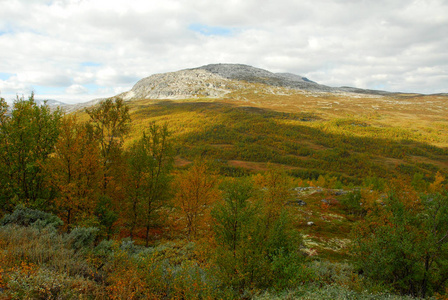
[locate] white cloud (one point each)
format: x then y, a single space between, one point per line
399 45
14 86
76 89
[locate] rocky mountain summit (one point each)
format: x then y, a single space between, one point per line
182 84
218 80
215 81
255 75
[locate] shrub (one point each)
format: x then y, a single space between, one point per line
255 246
82 237
48 284
331 291
403 244
352 203
24 216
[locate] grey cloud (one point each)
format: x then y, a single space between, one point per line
399 44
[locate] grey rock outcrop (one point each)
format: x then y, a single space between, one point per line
218 80
255 75
214 81
181 85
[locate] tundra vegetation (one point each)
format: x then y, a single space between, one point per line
215 200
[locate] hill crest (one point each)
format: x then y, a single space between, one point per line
214 81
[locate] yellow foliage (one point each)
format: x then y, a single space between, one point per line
197 189
437 185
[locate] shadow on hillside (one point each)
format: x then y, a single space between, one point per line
294 139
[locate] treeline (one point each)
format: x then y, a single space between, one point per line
81 172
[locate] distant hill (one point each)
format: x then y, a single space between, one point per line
217 80
221 80
51 103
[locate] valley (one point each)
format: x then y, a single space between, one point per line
226 182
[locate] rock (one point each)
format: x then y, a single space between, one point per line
339 192
181 85
297 202
301 189
301 202
251 74
215 81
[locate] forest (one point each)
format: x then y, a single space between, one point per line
202 199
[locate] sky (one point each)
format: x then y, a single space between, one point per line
78 50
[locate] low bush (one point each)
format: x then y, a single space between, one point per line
82 237
24 216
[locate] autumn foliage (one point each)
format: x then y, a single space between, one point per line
214 201
197 190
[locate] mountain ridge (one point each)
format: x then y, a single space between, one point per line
214 81
219 80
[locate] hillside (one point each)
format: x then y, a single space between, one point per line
217 80
257 189
246 117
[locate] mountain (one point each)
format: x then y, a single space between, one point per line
181 85
51 103
227 81
250 74
215 81
80 106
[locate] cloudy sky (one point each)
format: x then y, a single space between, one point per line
78 50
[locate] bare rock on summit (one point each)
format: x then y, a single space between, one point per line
255 75
214 81
181 85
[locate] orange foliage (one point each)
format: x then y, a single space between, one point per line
75 172
197 189
125 281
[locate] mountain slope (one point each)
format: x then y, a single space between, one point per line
255 116
181 85
255 75
215 81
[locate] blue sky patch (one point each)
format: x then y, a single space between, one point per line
46 90
5 76
92 87
210 30
379 86
6 30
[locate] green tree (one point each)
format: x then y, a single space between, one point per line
404 243
109 123
150 160
252 248
27 137
352 203
4 178
276 189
